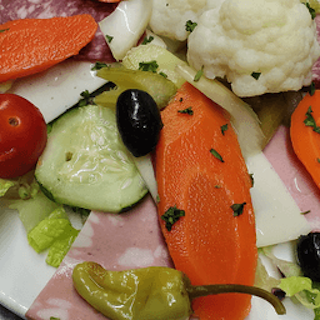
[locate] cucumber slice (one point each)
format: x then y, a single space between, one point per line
85 163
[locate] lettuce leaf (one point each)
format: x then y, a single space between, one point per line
54 232
302 289
61 246
5 185
295 285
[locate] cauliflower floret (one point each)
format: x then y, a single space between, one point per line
169 17
260 46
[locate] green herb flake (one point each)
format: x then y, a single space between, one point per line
188 111
86 99
109 38
99 65
310 122
163 74
181 99
171 216
190 25
198 75
216 154
224 128
312 88
256 75
318 160
217 186
311 10
54 318
238 208
147 40
252 179
4 30
149 66
305 212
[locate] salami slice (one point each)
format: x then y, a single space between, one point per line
97 50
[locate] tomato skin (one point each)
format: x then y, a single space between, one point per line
23 135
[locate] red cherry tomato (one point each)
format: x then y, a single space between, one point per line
23 135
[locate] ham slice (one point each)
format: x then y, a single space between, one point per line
117 242
97 50
294 175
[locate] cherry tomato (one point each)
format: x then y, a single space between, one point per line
23 135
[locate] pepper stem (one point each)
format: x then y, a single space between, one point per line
201 291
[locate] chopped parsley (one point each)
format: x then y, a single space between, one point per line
252 179
224 128
109 38
99 65
238 208
190 25
149 66
312 89
216 154
163 74
86 99
147 40
181 99
188 111
4 30
310 122
256 75
54 318
306 212
311 10
198 74
171 216
318 160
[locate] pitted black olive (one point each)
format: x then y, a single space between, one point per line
308 252
139 121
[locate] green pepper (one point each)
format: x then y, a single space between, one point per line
153 293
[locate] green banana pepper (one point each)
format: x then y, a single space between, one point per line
155 293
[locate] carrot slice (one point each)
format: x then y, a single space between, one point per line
29 46
200 170
305 134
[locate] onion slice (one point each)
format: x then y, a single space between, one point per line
243 118
124 27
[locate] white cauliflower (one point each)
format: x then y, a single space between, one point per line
260 46
169 17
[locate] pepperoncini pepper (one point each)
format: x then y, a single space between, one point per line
153 293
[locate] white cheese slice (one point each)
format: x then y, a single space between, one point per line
59 88
278 217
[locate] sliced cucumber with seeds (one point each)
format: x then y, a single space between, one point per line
85 163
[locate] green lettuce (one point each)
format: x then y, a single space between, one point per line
54 233
5 185
295 285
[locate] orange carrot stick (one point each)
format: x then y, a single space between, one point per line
29 46
200 170
305 134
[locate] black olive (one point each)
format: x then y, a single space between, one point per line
308 252
139 121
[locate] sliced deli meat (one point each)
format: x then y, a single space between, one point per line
294 175
117 242
44 9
